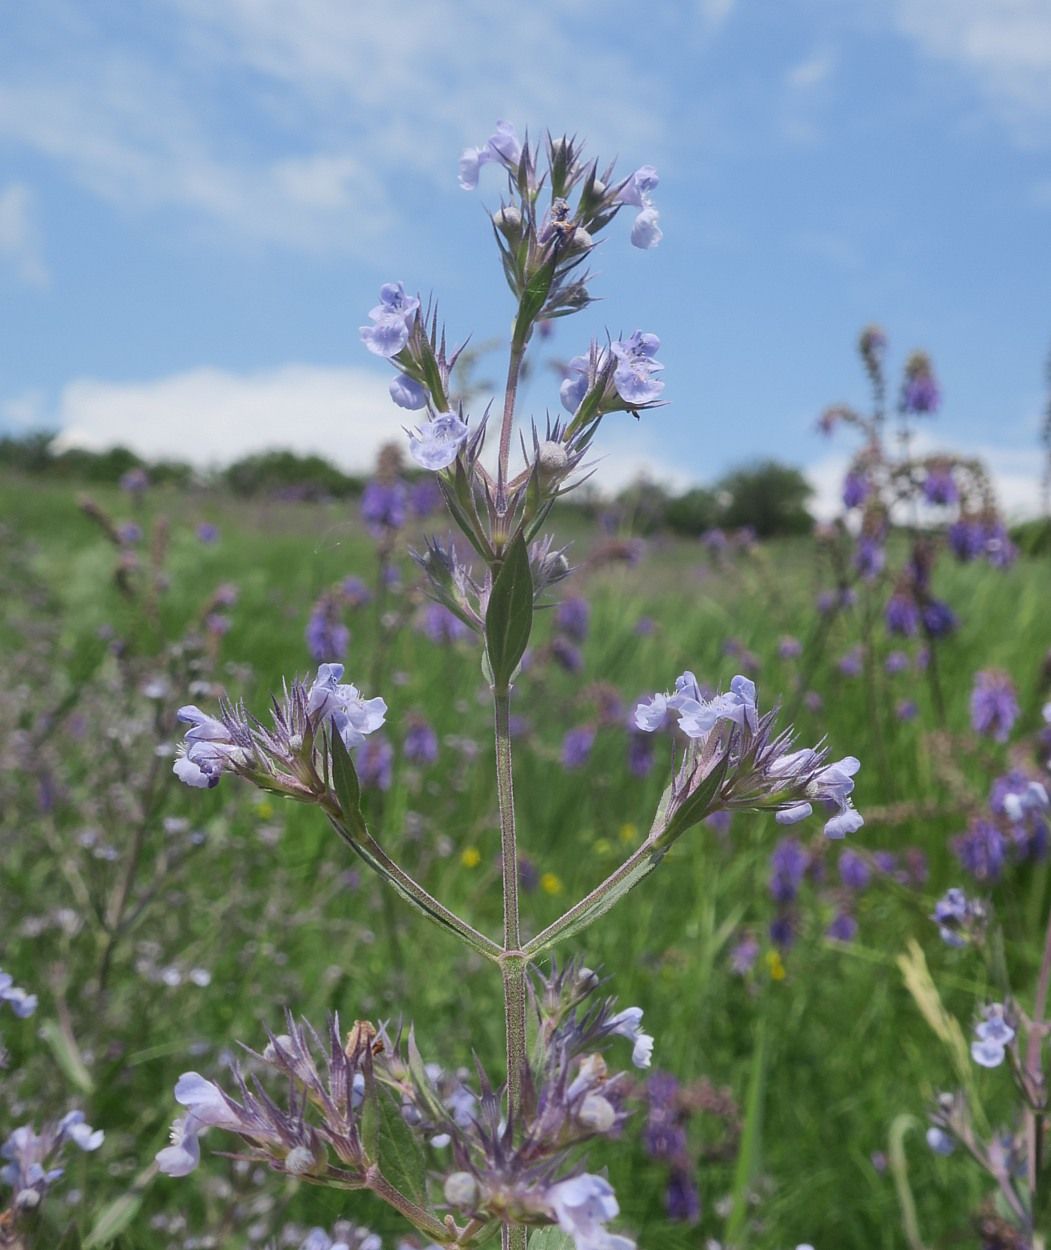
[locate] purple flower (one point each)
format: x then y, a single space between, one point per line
787 866
425 497
355 592
999 550
851 663
208 750
575 384
207 533
939 486
645 232
571 617
981 850
938 618
502 146
421 742
375 763
207 1107
383 506
327 636
954 913
436 444
869 557
843 928
902 615
856 489
129 533
906 709
576 747
919 392
566 655
392 320
789 648
744 954
896 662
628 1023
407 392
854 871
994 1035
135 481
640 754
633 375
940 1141
442 626
681 1199
994 705
966 539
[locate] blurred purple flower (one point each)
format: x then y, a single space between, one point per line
994 705
576 747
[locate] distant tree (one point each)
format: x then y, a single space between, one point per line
643 503
693 512
27 453
289 475
769 496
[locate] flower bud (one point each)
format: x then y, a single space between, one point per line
552 458
300 1160
461 1189
508 221
282 1044
596 1113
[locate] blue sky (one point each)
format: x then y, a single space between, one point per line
199 198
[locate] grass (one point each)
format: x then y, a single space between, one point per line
823 1050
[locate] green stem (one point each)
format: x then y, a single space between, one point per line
514 370
410 889
416 1215
512 960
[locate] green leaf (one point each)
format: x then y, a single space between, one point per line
533 299
748 1155
117 1215
400 1155
345 783
67 1055
698 805
550 1238
509 619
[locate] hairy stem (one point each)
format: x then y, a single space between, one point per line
512 961
514 370
415 1214
1035 1073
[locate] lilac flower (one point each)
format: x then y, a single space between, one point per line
566 655
208 750
854 871
966 539
869 557
583 1205
502 146
129 533
851 663
919 392
998 548
408 393
744 954
571 617
207 533
940 1141
327 637
633 375
640 754
645 232
955 915
135 481
906 709
75 1128
22 1003
896 662
392 321
981 850
681 1199
789 648
994 705
787 868
902 615
436 444
351 716
575 384
994 1034
442 626
856 489
843 927
383 506
375 764
938 618
576 747
30 1157
939 486
355 592
421 742
832 785
628 1023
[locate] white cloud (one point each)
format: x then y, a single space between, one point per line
715 13
20 241
815 70
285 120
1004 44
212 416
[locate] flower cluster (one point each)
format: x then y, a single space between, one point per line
32 1167
737 762
21 1002
993 1035
283 758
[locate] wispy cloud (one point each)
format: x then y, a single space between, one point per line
21 245
1005 45
283 120
816 69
